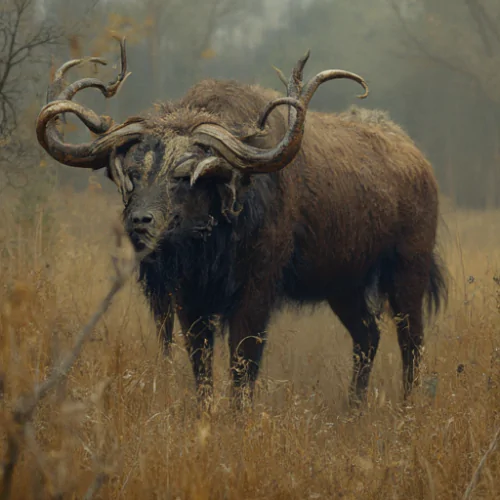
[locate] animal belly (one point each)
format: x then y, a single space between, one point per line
309 283
323 277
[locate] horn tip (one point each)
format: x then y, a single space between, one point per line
305 58
98 60
194 177
281 76
366 92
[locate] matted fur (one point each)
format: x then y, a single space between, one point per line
351 220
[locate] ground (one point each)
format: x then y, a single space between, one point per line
128 414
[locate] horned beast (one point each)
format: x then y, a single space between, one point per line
238 205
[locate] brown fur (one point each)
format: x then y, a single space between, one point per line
352 218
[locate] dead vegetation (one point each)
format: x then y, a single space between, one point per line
123 423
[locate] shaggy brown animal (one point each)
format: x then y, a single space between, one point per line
237 209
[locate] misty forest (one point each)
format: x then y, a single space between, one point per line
108 309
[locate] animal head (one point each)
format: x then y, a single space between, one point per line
179 169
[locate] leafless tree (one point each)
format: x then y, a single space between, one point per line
21 38
29 38
463 36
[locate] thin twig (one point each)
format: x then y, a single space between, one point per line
26 404
477 472
99 480
422 47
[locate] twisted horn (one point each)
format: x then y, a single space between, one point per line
93 154
254 160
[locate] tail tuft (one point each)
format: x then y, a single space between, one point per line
437 291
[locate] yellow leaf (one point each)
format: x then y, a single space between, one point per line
75 47
94 184
208 53
71 127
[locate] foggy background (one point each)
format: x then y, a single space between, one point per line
434 65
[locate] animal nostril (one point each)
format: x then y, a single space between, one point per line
142 218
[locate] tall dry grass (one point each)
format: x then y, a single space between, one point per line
128 415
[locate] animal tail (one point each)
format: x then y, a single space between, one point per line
437 289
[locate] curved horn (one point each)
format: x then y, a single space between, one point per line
249 158
254 160
59 101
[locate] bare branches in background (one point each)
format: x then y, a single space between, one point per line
462 37
466 40
486 27
32 32
187 34
175 43
21 37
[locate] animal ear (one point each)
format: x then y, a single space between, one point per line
116 174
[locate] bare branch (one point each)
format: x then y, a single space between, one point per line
5 38
211 26
424 49
44 36
11 44
227 8
477 472
22 5
479 15
20 42
26 405
99 480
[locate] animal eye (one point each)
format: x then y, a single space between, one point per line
207 150
134 175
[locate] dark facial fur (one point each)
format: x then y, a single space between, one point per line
161 208
183 233
352 217
351 221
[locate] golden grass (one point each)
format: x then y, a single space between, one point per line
128 413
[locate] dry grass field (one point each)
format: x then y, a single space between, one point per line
128 416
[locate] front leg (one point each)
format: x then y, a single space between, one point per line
199 340
163 311
247 339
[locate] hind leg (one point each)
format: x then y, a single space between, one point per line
353 312
406 295
247 339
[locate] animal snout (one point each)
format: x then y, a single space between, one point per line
142 218
141 228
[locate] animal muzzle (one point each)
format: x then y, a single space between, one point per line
141 227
